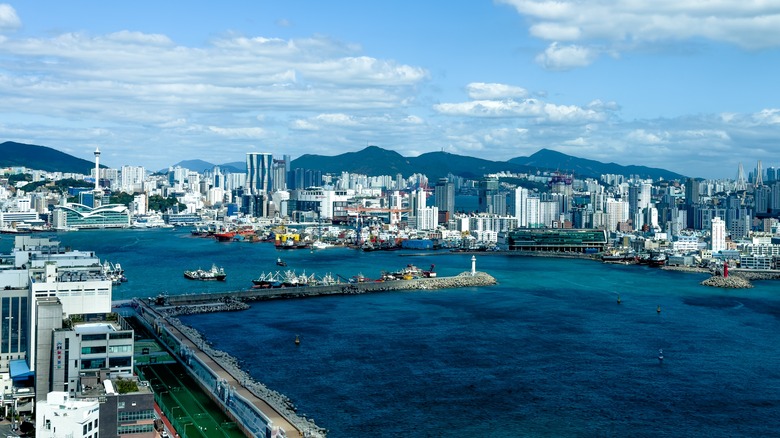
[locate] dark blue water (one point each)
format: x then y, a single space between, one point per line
547 352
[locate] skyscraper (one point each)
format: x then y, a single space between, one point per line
718 235
259 172
445 195
97 199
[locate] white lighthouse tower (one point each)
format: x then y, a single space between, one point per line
97 193
473 266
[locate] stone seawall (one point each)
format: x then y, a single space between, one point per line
730 282
235 300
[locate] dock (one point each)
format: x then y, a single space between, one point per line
174 305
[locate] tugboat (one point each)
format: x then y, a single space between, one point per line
280 262
214 273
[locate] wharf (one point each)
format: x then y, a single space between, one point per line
236 300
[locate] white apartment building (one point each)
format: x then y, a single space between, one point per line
718 234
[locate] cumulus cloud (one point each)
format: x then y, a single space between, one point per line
644 137
622 25
527 108
8 18
481 90
557 57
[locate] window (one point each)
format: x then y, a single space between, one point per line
93 364
121 335
120 361
93 350
98 337
120 348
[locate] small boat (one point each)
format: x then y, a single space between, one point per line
280 262
297 340
214 273
660 355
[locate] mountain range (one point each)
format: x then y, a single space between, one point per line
13 154
372 160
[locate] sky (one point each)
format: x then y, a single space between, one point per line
685 85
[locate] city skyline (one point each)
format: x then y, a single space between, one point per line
684 87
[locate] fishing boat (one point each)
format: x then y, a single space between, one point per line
213 274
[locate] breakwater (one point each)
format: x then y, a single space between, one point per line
236 300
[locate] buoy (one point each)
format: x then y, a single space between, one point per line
658 309
297 340
618 299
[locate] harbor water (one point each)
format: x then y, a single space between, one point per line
548 351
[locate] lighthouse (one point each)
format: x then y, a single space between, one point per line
473 265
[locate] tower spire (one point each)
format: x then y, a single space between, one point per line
741 184
759 178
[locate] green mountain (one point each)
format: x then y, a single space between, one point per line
13 154
374 160
548 159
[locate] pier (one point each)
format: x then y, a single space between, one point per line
236 300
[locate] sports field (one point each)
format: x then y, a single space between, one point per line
188 408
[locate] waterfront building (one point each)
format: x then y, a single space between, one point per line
326 203
718 235
557 240
82 216
259 172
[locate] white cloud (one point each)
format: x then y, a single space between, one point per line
614 26
643 137
767 117
238 132
527 108
8 18
557 57
746 23
336 119
481 90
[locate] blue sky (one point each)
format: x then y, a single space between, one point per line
687 85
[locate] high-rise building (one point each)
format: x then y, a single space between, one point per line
718 233
445 195
97 199
279 176
259 176
488 187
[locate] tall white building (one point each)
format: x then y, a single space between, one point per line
718 233
521 198
617 211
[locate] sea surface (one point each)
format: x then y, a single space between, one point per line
548 352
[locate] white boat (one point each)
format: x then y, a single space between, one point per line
319 244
